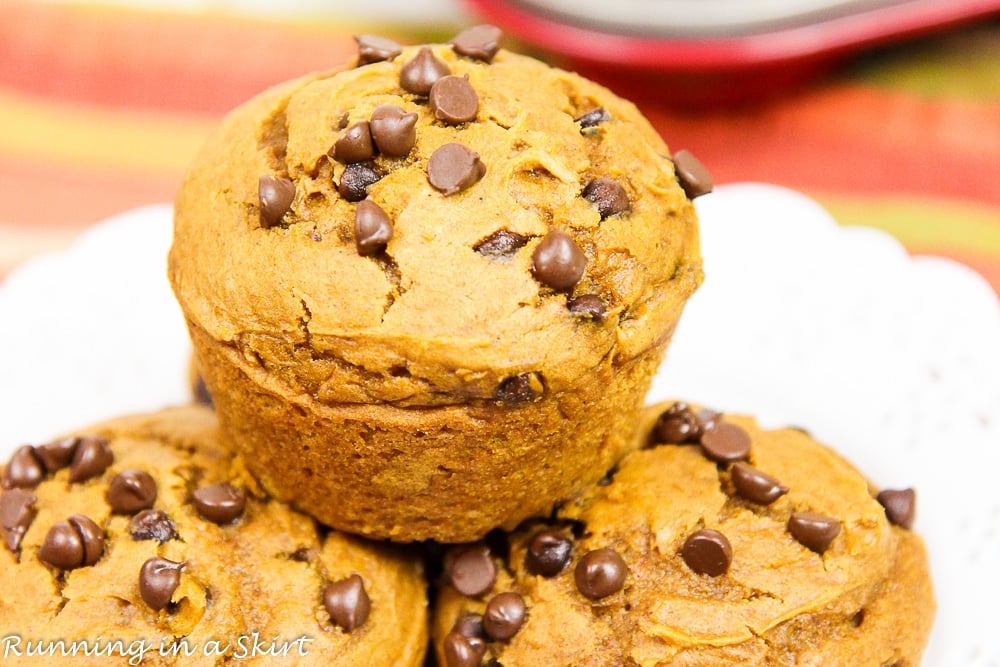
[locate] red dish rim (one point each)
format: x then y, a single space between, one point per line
825 38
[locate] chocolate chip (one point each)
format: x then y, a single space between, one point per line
707 552
587 305
275 196
130 491
454 100
469 625
355 180
158 579
419 74
677 425
374 48
57 455
220 503
523 388
480 42
548 553
558 261
500 243
73 543
692 175
393 130
460 651
92 457
201 393
17 511
900 506
593 118
347 602
504 615
600 573
471 569
453 168
372 228
725 443
24 470
608 195
354 145
754 485
152 525
813 531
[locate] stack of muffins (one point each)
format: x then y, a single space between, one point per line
427 294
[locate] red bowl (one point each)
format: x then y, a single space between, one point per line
712 63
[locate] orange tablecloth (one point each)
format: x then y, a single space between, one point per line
102 109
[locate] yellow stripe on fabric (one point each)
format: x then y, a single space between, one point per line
142 141
923 222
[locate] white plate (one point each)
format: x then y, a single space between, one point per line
893 360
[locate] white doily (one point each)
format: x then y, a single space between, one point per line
893 360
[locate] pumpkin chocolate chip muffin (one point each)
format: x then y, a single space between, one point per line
717 544
428 292
143 539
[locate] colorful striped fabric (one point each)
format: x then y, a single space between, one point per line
102 109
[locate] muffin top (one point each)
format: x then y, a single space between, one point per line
435 220
728 545
145 530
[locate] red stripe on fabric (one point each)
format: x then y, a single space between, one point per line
36 193
159 61
849 138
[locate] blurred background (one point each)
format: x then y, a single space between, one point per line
888 113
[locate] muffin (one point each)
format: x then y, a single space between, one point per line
143 539
428 292
737 546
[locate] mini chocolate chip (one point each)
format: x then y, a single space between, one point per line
548 553
480 42
600 573
504 615
130 491
374 48
471 569
158 579
275 196
73 543
500 243
355 180
220 503
558 261
347 602
454 100
588 305
17 511
460 651
677 425
469 625
201 393
92 457
57 455
354 145
754 485
707 552
692 175
608 195
453 168
393 130
725 443
372 228
900 506
523 388
593 118
813 531
152 525
419 74
24 470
